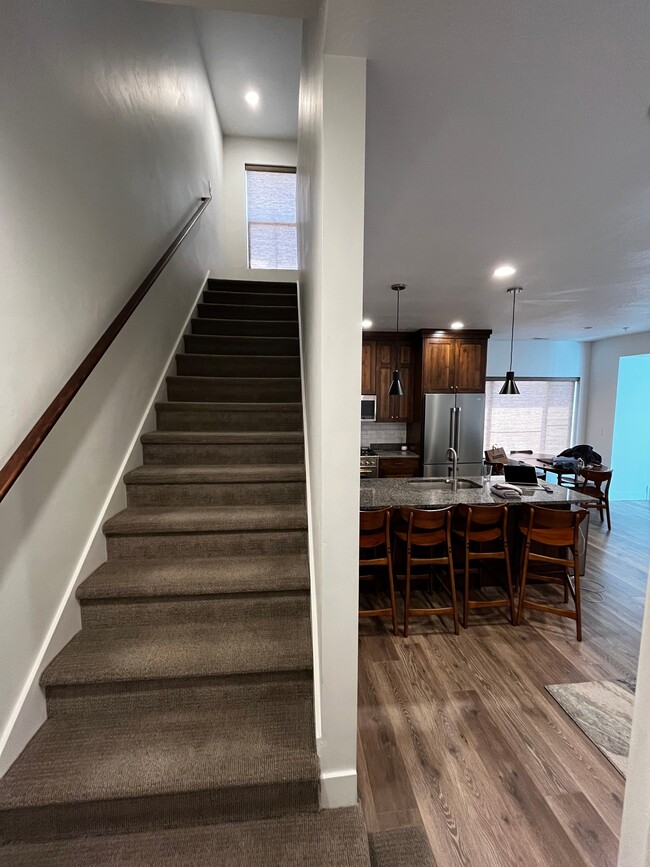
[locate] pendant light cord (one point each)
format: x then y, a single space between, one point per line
397 324
512 332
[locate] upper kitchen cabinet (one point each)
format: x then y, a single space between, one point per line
380 357
454 363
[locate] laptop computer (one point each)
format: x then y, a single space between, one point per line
522 475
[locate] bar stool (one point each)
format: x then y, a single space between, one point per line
374 552
555 528
591 484
477 526
430 530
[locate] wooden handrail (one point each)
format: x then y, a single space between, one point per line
35 438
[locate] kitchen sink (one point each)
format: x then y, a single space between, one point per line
444 484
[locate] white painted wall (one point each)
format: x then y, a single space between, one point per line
109 138
634 850
331 153
236 153
605 355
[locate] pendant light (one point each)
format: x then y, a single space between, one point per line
510 386
396 388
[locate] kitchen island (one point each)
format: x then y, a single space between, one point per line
430 494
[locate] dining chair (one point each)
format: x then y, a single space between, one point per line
591 483
550 529
426 534
375 554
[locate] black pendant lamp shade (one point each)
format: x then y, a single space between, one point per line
396 388
510 386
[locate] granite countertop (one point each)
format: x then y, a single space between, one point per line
391 493
390 453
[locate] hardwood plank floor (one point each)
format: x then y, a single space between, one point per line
458 733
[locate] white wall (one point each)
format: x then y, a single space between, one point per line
109 138
546 358
236 153
634 849
605 355
331 152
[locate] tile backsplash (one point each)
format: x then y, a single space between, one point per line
376 432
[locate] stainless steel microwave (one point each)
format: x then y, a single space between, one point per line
368 407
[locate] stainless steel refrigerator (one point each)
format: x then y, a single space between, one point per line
457 421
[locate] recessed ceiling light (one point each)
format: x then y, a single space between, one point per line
457 326
366 323
504 271
252 98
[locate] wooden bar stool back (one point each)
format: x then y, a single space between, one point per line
552 528
477 526
427 537
375 553
591 483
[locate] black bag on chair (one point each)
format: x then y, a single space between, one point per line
588 455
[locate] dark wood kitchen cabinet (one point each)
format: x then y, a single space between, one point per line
390 356
368 366
454 364
398 468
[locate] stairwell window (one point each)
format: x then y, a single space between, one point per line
540 418
271 215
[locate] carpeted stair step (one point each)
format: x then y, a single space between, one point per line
330 838
196 531
272 287
245 327
190 652
232 388
162 768
250 299
247 312
230 344
240 365
220 416
236 447
235 485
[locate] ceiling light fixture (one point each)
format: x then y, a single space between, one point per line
510 386
504 271
252 98
396 387
457 325
366 323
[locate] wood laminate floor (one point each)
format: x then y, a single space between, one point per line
457 733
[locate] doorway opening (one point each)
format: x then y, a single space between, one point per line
630 453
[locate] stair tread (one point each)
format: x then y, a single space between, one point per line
139 653
104 757
140 520
182 474
228 406
268 337
331 838
223 437
120 579
262 380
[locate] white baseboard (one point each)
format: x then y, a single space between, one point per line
338 789
30 712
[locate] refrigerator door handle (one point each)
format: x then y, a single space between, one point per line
457 430
452 427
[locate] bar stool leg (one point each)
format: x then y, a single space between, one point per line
407 595
511 595
524 576
576 581
466 590
452 587
391 584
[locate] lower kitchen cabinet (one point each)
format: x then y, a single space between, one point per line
399 468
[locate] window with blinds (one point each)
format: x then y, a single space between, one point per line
539 418
271 215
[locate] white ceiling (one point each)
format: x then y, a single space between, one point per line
506 130
253 52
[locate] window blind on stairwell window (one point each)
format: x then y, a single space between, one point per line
271 216
539 418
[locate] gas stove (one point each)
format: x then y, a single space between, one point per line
369 464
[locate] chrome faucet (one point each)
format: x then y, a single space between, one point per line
454 459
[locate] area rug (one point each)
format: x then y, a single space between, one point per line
603 710
401 847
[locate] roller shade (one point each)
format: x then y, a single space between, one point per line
271 210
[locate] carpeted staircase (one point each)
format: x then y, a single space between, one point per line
180 724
